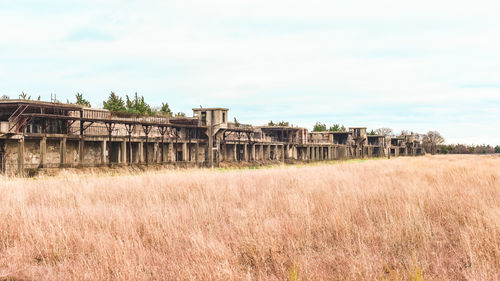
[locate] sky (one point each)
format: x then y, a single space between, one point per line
407 65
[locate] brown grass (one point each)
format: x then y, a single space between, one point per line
386 219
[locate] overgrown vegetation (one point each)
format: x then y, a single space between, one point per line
136 105
81 101
279 124
468 149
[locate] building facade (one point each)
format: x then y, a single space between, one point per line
36 135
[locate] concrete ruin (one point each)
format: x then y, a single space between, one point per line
36 135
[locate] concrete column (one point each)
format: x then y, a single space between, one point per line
141 152
124 151
261 153
245 151
81 151
104 153
20 157
171 152
235 151
196 147
283 153
253 152
43 152
119 152
185 152
62 152
155 153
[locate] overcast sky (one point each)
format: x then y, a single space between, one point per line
415 65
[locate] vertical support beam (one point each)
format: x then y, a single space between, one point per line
171 152
141 152
185 152
210 146
245 152
253 152
20 157
282 153
124 151
81 150
103 152
235 151
62 152
196 148
43 152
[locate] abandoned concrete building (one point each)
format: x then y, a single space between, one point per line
35 134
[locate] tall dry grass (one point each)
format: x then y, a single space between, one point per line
383 219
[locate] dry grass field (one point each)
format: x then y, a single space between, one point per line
436 218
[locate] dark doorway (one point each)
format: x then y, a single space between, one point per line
179 156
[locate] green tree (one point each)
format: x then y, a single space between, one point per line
319 127
271 123
283 124
446 149
372 133
497 149
81 101
165 109
236 123
334 128
138 106
180 114
114 103
24 96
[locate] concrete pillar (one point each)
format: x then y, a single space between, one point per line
81 151
141 152
124 151
62 152
253 153
185 152
245 152
155 153
261 153
43 152
20 157
196 148
104 153
235 151
283 153
171 152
